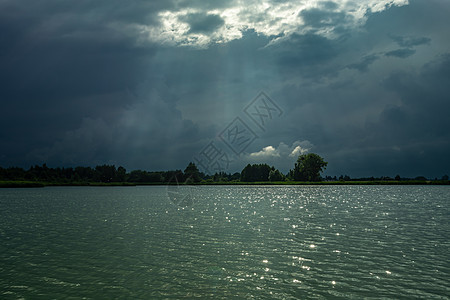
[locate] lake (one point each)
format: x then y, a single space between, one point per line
226 242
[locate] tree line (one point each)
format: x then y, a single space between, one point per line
307 168
102 173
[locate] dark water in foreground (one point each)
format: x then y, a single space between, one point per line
234 243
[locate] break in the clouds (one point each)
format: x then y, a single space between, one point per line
282 151
283 155
200 25
148 84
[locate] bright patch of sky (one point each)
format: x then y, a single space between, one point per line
201 27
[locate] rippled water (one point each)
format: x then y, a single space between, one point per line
277 242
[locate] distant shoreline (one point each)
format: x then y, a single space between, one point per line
35 184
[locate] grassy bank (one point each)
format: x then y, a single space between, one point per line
20 184
375 182
27 184
89 184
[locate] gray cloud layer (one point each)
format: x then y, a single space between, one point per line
85 83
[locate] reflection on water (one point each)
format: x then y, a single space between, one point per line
277 242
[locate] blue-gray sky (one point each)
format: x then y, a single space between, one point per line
148 84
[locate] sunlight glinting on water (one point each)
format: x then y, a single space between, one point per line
263 242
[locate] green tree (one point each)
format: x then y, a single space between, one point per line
236 176
104 173
221 176
84 173
191 173
275 175
308 167
175 176
246 173
257 172
121 174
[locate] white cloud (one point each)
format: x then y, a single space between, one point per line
283 151
267 17
300 147
268 151
281 157
298 151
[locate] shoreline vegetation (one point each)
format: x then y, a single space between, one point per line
39 184
306 171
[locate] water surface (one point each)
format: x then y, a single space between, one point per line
274 242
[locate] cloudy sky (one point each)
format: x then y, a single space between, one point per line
155 84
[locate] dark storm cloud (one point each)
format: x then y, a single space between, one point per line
318 18
425 97
387 119
64 62
401 53
364 64
409 136
201 23
410 41
143 129
307 49
84 83
417 127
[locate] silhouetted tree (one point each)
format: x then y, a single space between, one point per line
173 176
308 167
275 175
220 176
14 173
235 176
121 174
105 173
85 174
256 172
139 176
191 173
